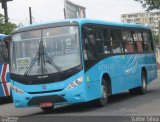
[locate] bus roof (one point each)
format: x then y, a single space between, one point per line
85 21
82 21
2 36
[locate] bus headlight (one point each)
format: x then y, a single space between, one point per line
16 89
75 83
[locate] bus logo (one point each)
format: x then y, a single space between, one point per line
44 87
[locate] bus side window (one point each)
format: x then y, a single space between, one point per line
138 41
116 41
3 53
89 46
128 41
7 41
148 43
101 40
150 40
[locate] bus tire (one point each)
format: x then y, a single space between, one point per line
48 109
0 100
143 88
104 99
11 97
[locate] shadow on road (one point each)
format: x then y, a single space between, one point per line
5 100
75 108
125 96
118 102
87 107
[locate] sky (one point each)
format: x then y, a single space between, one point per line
48 10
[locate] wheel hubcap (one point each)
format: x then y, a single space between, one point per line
104 94
144 83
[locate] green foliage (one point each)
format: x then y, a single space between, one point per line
156 39
150 4
6 28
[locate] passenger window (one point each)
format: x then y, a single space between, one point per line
138 41
3 53
116 41
128 42
89 46
101 41
148 43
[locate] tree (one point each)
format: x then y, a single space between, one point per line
156 39
150 4
6 28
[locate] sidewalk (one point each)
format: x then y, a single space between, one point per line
158 73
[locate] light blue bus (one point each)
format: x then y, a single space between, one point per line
79 60
4 67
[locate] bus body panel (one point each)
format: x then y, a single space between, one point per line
74 95
4 69
1 90
124 71
4 80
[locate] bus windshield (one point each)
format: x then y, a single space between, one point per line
45 51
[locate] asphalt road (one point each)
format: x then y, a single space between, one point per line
122 104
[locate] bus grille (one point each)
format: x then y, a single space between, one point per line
42 99
41 92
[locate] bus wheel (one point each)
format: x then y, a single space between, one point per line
10 97
0 100
104 99
48 109
143 88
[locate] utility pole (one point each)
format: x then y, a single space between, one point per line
4 6
159 32
30 15
64 10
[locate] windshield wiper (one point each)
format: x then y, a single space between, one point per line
36 58
43 58
49 60
32 64
40 57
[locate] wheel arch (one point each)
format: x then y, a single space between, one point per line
145 72
107 79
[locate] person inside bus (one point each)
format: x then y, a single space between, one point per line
3 53
116 39
89 50
92 51
115 46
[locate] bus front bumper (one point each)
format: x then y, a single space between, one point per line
64 97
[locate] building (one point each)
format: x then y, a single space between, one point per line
148 18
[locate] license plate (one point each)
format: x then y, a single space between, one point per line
46 104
